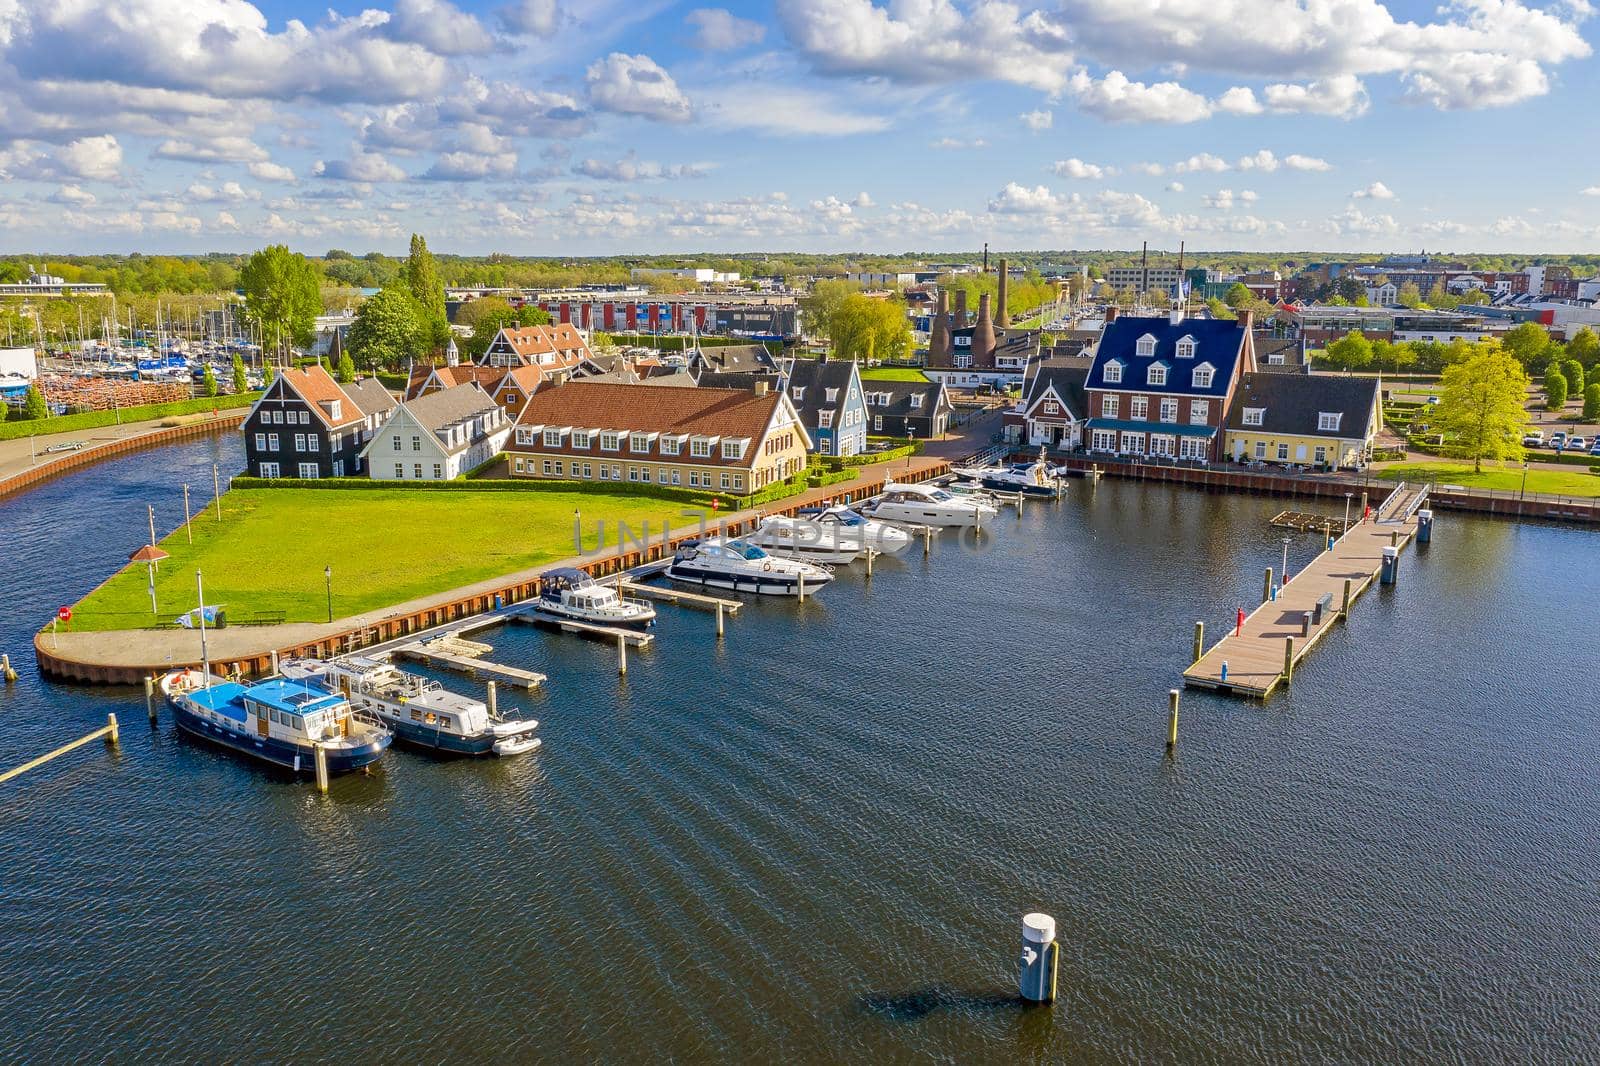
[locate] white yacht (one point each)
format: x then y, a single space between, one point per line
421 712
1033 479
851 529
568 592
928 505
726 563
805 538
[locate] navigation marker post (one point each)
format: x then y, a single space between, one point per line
1036 968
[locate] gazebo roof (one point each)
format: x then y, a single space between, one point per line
149 553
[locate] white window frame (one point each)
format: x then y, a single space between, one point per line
733 449
1253 416
824 419
1130 443
1139 408
1169 410
308 471
1157 374
1199 412
269 469
1112 372
639 442
671 445
1328 421
552 438
610 441
1145 346
1185 347
1110 406
1204 375
700 448
580 438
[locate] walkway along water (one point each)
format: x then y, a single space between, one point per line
25 463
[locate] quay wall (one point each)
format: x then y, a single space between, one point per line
66 462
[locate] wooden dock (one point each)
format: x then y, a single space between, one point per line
1265 651
678 596
443 653
635 638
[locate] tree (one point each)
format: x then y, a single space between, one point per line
1409 295
1527 342
1440 297
208 381
1591 402
5 410
1219 309
1238 295
421 276
1572 370
866 328
823 301
33 406
267 374
1555 389
346 369
281 296
1481 409
241 381
388 329
487 316
1584 346
1350 352
1349 286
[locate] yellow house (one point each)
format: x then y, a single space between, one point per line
1320 421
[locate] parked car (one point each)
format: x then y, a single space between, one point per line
1433 401
1557 440
1534 439
1576 444
1595 449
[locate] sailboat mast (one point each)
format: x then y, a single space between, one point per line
205 657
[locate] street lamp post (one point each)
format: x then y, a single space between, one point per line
1347 497
1523 495
1285 570
327 578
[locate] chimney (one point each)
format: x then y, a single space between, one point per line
939 328
1247 320
1004 316
961 309
761 388
1111 313
983 343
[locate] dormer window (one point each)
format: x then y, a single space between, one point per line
1157 374
1186 348
1146 346
1328 421
1253 416
830 396
1113 372
798 392
1203 375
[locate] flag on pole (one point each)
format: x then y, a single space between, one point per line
190 619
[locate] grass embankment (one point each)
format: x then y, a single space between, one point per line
385 547
1500 479
892 373
12 429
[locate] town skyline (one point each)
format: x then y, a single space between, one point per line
537 128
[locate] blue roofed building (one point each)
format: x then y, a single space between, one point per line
1161 386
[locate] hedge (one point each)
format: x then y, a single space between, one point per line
14 429
838 462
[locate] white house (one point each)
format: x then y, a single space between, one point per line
1383 295
439 436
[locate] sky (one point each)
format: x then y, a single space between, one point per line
602 127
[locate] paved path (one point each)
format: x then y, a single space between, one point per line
19 456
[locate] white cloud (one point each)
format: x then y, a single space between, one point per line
1117 99
632 168
1376 191
1262 160
636 85
1021 199
225 221
719 30
270 172
784 111
1174 186
929 42
1036 121
1593 190
1342 96
1153 169
955 144
85 159
439 26
365 167
215 150
1239 100
471 166
1205 161
1221 200
530 17
1077 168
1295 161
226 193
72 194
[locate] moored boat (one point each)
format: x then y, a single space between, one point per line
726 563
568 592
927 505
280 721
1036 478
805 538
421 712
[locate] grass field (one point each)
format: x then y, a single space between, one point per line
1501 479
893 373
385 547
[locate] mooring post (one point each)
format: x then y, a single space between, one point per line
1199 641
320 758
1172 720
1424 526
1394 538
801 586
870 554
113 734
1036 970
1019 505
1347 588
622 655
1266 586
927 540
492 699
150 697
274 663
719 619
1288 658
1363 517
6 670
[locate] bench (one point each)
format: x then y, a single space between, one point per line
1323 607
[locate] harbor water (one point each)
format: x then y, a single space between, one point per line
813 841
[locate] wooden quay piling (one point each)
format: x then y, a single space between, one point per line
1257 656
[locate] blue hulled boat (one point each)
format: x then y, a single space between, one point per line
278 721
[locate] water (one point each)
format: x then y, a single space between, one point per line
814 841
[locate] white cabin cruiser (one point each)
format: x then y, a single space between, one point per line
854 528
726 563
1034 479
568 592
928 505
421 712
805 538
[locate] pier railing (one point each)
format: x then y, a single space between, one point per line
109 731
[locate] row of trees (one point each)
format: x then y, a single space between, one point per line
1528 343
857 326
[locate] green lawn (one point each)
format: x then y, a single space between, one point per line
893 373
1502 479
385 546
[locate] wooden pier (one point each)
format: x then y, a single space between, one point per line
448 652
1264 651
677 596
636 638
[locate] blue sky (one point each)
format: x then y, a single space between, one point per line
560 127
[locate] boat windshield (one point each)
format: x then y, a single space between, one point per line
846 517
748 551
940 495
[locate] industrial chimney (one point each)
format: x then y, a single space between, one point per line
961 309
939 329
983 343
1004 316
